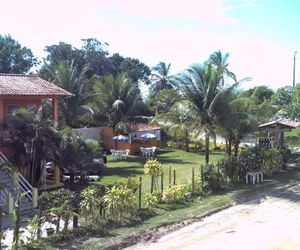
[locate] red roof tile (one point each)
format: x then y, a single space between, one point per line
142 127
283 123
28 85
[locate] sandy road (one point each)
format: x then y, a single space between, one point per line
270 221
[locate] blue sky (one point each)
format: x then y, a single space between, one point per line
260 35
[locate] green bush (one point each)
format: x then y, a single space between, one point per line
119 202
90 202
212 179
151 200
173 194
197 185
270 161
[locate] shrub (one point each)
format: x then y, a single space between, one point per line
52 199
197 185
220 147
173 194
90 202
132 183
212 179
270 161
286 154
119 202
230 167
151 200
153 168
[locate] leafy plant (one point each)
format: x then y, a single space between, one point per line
197 185
212 179
173 194
119 202
151 200
132 183
89 203
153 168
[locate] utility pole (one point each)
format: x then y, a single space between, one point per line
294 69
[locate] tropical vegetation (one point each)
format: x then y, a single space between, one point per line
192 107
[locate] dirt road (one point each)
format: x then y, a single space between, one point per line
270 221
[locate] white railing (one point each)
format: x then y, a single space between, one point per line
3 196
22 184
25 186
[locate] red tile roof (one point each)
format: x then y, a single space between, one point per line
282 123
28 85
142 127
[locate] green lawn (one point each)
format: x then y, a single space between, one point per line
197 208
180 161
292 137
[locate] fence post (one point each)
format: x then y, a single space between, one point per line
10 203
162 181
140 193
170 176
34 197
174 177
201 171
152 182
56 175
15 178
193 180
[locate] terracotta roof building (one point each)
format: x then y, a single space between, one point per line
28 85
142 127
18 90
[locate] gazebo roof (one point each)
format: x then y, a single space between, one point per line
28 85
281 125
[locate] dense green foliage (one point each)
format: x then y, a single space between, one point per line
13 57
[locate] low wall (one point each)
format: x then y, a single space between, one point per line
105 135
90 133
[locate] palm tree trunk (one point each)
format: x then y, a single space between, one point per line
229 146
186 141
207 147
236 147
215 140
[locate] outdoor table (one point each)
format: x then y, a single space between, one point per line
148 151
120 154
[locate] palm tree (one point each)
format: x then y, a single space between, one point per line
203 102
68 77
117 100
220 63
160 77
75 154
34 141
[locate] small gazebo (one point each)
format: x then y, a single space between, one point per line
275 131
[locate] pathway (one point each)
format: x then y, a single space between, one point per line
270 221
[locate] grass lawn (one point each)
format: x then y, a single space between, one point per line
180 161
292 137
195 208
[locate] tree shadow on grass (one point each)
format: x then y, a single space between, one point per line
122 171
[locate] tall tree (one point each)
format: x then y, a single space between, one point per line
283 96
34 142
68 77
61 53
162 101
161 78
204 100
220 62
13 57
117 99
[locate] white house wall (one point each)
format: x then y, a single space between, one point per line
90 133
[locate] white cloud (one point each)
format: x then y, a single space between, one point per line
179 32
203 11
